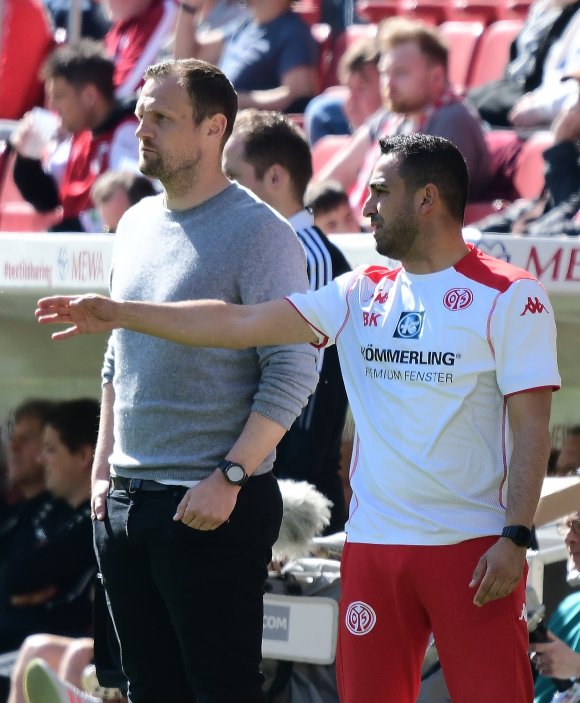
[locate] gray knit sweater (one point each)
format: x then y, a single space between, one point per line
178 410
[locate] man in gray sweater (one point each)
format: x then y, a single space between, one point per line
185 505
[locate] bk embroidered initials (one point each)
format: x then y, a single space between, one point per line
371 319
533 306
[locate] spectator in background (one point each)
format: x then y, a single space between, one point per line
114 192
20 60
329 205
79 86
270 155
557 209
203 27
139 33
530 93
560 657
342 111
271 59
94 24
47 572
25 467
417 97
568 460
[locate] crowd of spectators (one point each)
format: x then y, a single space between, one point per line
44 521
395 83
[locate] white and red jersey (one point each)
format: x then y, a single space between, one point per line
114 146
428 361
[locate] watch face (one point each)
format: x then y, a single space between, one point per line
235 473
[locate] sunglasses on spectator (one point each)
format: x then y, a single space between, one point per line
573 525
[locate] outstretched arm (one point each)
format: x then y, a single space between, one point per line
199 323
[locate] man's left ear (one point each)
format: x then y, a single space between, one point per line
276 176
87 452
216 125
426 199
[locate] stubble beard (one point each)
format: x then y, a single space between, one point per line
398 238
174 174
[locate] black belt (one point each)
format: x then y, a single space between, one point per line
133 485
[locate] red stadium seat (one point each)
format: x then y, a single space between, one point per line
492 53
309 10
504 146
529 177
516 9
486 11
478 210
376 10
16 215
431 12
326 148
462 39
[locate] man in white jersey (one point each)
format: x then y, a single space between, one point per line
449 363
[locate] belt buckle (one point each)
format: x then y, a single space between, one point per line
134 485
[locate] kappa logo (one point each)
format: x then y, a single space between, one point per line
410 325
360 618
371 319
533 306
458 299
524 613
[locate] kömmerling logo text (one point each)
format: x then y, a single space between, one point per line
408 356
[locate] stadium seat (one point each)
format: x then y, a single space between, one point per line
375 11
309 10
462 39
431 12
16 215
529 176
516 9
486 11
478 210
326 148
492 52
504 147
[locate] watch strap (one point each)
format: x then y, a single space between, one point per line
519 534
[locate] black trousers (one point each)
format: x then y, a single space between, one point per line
186 604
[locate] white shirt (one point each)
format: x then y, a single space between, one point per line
428 361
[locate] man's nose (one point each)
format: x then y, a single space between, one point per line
142 130
368 206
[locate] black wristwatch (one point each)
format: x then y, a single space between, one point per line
234 473
519 534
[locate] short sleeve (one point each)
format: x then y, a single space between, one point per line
326 309
523 339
